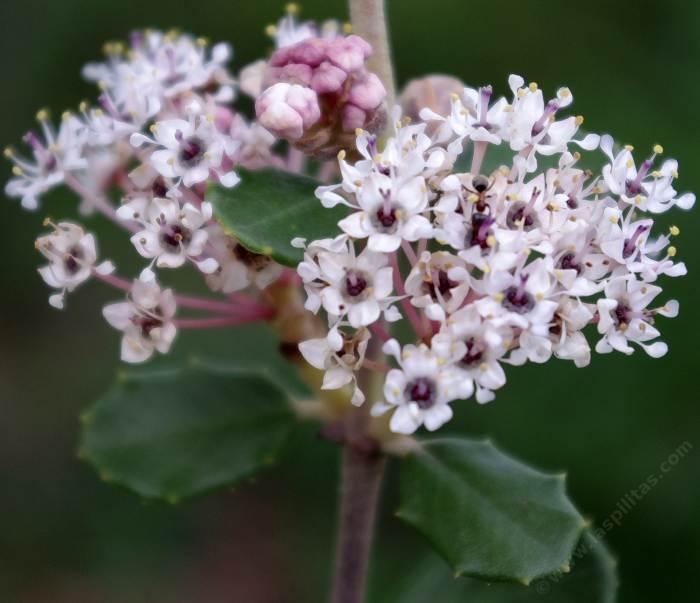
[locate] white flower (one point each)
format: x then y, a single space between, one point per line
146 321
60 153
531 126
420 392
358 287
340 355
438 279
648 190
476 347
624 318
238 268
389 212
522 300
72 255
171 234
190 151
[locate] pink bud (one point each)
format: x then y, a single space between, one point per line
341 95
349 53
353 117
367 93
431 91
287 110
328 78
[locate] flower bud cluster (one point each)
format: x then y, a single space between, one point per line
318 91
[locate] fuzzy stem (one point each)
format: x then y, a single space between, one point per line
361 483
368 22
363 465
217 322
189 301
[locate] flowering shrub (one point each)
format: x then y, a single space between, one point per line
407 255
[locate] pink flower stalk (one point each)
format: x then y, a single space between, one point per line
319 92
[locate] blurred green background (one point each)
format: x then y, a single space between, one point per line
67 537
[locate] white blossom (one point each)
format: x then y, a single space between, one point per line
171 234
420 391
339 355
72 255
146 320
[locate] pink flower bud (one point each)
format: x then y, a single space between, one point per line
367 93
431 91
287 110
341 95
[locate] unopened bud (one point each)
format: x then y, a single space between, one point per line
340 95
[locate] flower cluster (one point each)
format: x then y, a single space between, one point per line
164 128
509 250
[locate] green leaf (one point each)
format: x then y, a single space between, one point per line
269 208
172 433
489 515
592 579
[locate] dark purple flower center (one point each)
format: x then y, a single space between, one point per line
568 262
147 323
517 299
172 236
422 392
71 261
622 314
386 216
474 353
191 151
520 215
158 188
355 284
443 285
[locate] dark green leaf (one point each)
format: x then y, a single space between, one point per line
592 579
172 433
489 515
269 208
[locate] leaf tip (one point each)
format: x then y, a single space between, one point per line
106 476
172 499
525 581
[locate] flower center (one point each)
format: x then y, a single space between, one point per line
623 313
422 392
517 299
520 214
440 283
355 284
71 261
172 236
191 151
474 353
568 262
